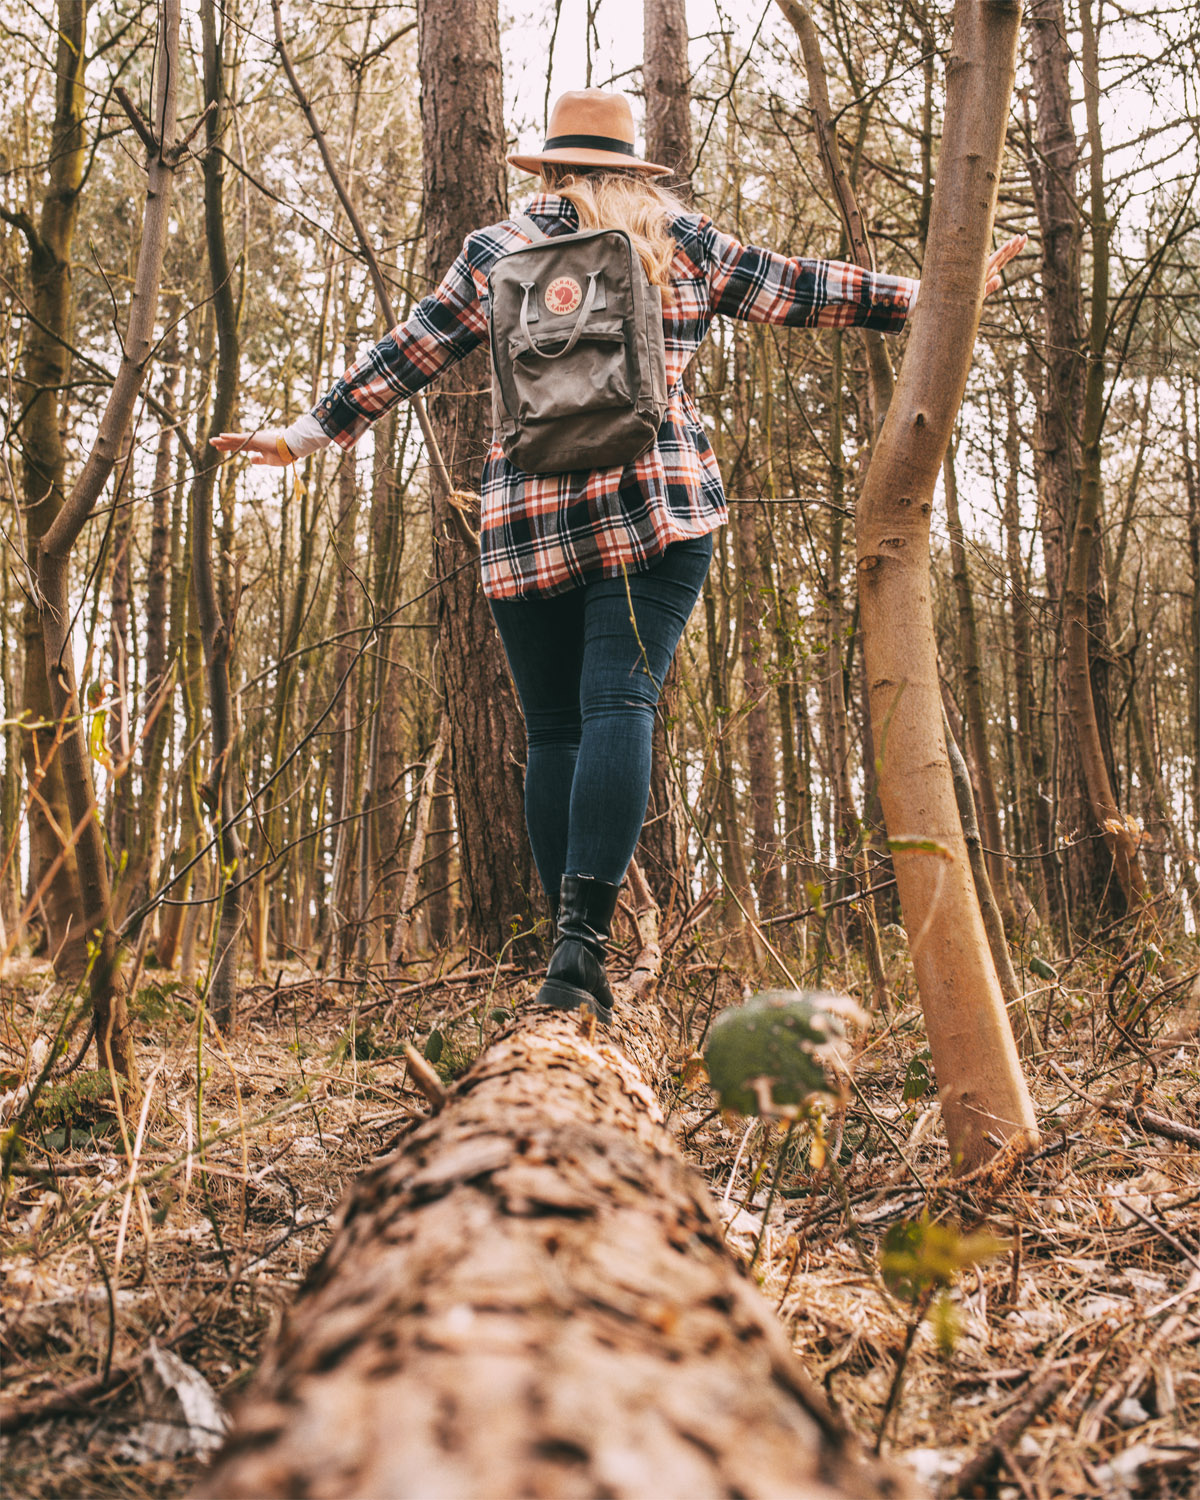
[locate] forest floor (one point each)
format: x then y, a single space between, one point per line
1048 1325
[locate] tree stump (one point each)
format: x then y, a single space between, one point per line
532 1298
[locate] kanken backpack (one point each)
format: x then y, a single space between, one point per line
579 373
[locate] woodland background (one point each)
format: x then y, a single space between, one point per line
305 749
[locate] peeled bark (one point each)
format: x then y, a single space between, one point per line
533 1298
983 1094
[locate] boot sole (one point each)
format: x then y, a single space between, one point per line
557 994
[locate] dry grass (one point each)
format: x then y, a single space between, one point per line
199 1235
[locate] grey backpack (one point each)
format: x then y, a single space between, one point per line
579 372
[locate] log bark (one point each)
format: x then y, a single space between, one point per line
983 1094
532 1298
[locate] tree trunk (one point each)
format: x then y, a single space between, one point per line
158 694
120 812
760 747
994 852
1121 834
398 955
532 1297
216 628
982 1091
1028 796
732 869
45 374
1192 484
463 134
1054 170
666 77
114 1041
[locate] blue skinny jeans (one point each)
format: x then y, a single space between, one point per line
588 674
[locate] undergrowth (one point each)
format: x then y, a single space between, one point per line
1059 1295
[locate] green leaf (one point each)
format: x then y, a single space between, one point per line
433 1047
918 1080
917 1255
98 740
769 1050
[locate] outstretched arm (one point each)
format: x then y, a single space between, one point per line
442 329
761 286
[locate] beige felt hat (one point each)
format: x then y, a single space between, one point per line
590 128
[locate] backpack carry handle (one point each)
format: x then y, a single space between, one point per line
589 299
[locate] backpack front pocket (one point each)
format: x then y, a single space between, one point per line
593 376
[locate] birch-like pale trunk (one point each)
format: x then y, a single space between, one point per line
984 1098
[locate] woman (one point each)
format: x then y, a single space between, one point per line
591 576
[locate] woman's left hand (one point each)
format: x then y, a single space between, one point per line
999 259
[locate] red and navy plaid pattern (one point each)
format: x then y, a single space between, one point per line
545 533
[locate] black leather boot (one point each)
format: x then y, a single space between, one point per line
576 977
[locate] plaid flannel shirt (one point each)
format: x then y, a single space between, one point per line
545 533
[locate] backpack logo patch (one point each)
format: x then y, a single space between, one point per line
563 295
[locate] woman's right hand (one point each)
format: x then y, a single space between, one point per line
263 447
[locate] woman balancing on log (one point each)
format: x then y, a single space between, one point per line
600 492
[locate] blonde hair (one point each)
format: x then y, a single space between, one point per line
623 200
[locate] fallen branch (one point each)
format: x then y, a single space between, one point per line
972 1478
425 1078
1145 1119
79 1395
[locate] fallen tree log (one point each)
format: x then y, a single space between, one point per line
532 1297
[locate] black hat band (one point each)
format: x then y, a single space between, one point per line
589 143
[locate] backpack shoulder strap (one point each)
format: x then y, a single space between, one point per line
526 225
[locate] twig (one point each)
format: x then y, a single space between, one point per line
137 119
80 1393
976 1471
1131 1381
425 1078
1144 1119
1180 1249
